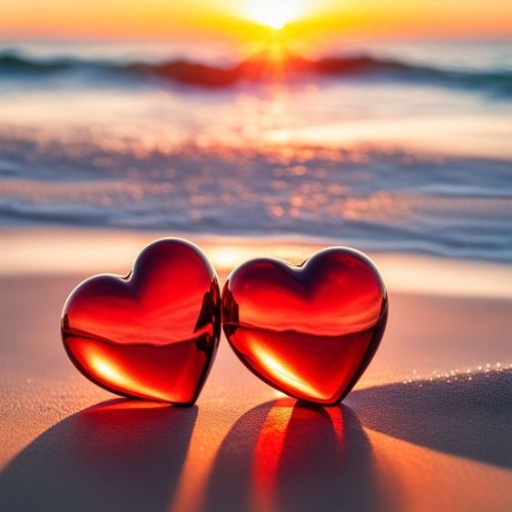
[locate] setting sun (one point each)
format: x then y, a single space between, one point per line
274 14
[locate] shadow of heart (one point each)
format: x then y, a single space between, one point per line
120 455
470 416
285 455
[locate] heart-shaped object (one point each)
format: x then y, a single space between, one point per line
153 334
309 330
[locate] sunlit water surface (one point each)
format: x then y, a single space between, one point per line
399 147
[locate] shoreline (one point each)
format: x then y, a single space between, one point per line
31 251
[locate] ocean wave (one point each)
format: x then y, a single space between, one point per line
371 198
257 69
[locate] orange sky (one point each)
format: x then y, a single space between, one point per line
155 19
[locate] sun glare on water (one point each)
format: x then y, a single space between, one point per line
274 13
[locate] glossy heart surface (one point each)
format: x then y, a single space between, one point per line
153 334
309 330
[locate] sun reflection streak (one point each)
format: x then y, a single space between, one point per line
270 446
336 416
284 373
267 455
113 376
108 371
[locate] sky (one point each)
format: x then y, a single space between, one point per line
174 19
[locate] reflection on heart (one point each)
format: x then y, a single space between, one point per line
309 330
153 334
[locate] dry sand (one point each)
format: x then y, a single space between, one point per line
427 428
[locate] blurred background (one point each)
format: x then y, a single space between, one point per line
383 126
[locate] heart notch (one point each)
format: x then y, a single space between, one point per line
153 334
310 330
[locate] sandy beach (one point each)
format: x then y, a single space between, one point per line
425 429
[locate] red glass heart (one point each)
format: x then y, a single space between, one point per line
309 330
152 334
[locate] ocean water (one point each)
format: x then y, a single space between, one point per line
384 146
